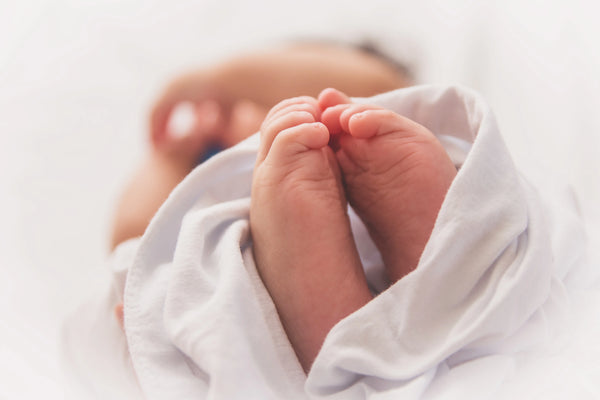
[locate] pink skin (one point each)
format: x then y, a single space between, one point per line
396 175
173 156
303 245
214 123
393 171
188 146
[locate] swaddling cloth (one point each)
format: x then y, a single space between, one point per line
490 286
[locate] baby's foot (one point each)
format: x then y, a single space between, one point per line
396 175
303 246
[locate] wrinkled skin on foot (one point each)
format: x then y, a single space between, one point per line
396 175
303 246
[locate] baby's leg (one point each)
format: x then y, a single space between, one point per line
303 246
396 174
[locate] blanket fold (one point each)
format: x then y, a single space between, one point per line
200 323
485 271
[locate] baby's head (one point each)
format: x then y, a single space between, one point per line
360 70
308 67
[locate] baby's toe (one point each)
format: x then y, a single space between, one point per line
287 114
305 103
332 97
270 131
331 118
364 122
291 142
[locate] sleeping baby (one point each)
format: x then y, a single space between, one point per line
381 247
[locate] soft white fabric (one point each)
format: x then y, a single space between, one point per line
487 301
94 352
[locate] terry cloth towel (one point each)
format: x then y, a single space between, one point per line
491 288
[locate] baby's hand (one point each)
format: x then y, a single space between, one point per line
194 88
206 110
215 116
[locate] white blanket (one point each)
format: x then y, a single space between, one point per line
478 318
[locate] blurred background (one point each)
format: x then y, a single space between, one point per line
77 79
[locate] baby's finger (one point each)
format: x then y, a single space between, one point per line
180 91
159 118
172 95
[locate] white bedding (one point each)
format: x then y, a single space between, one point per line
76 81
485 308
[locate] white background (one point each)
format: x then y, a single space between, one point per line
77 79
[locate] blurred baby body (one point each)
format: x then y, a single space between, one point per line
481 294
467 267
